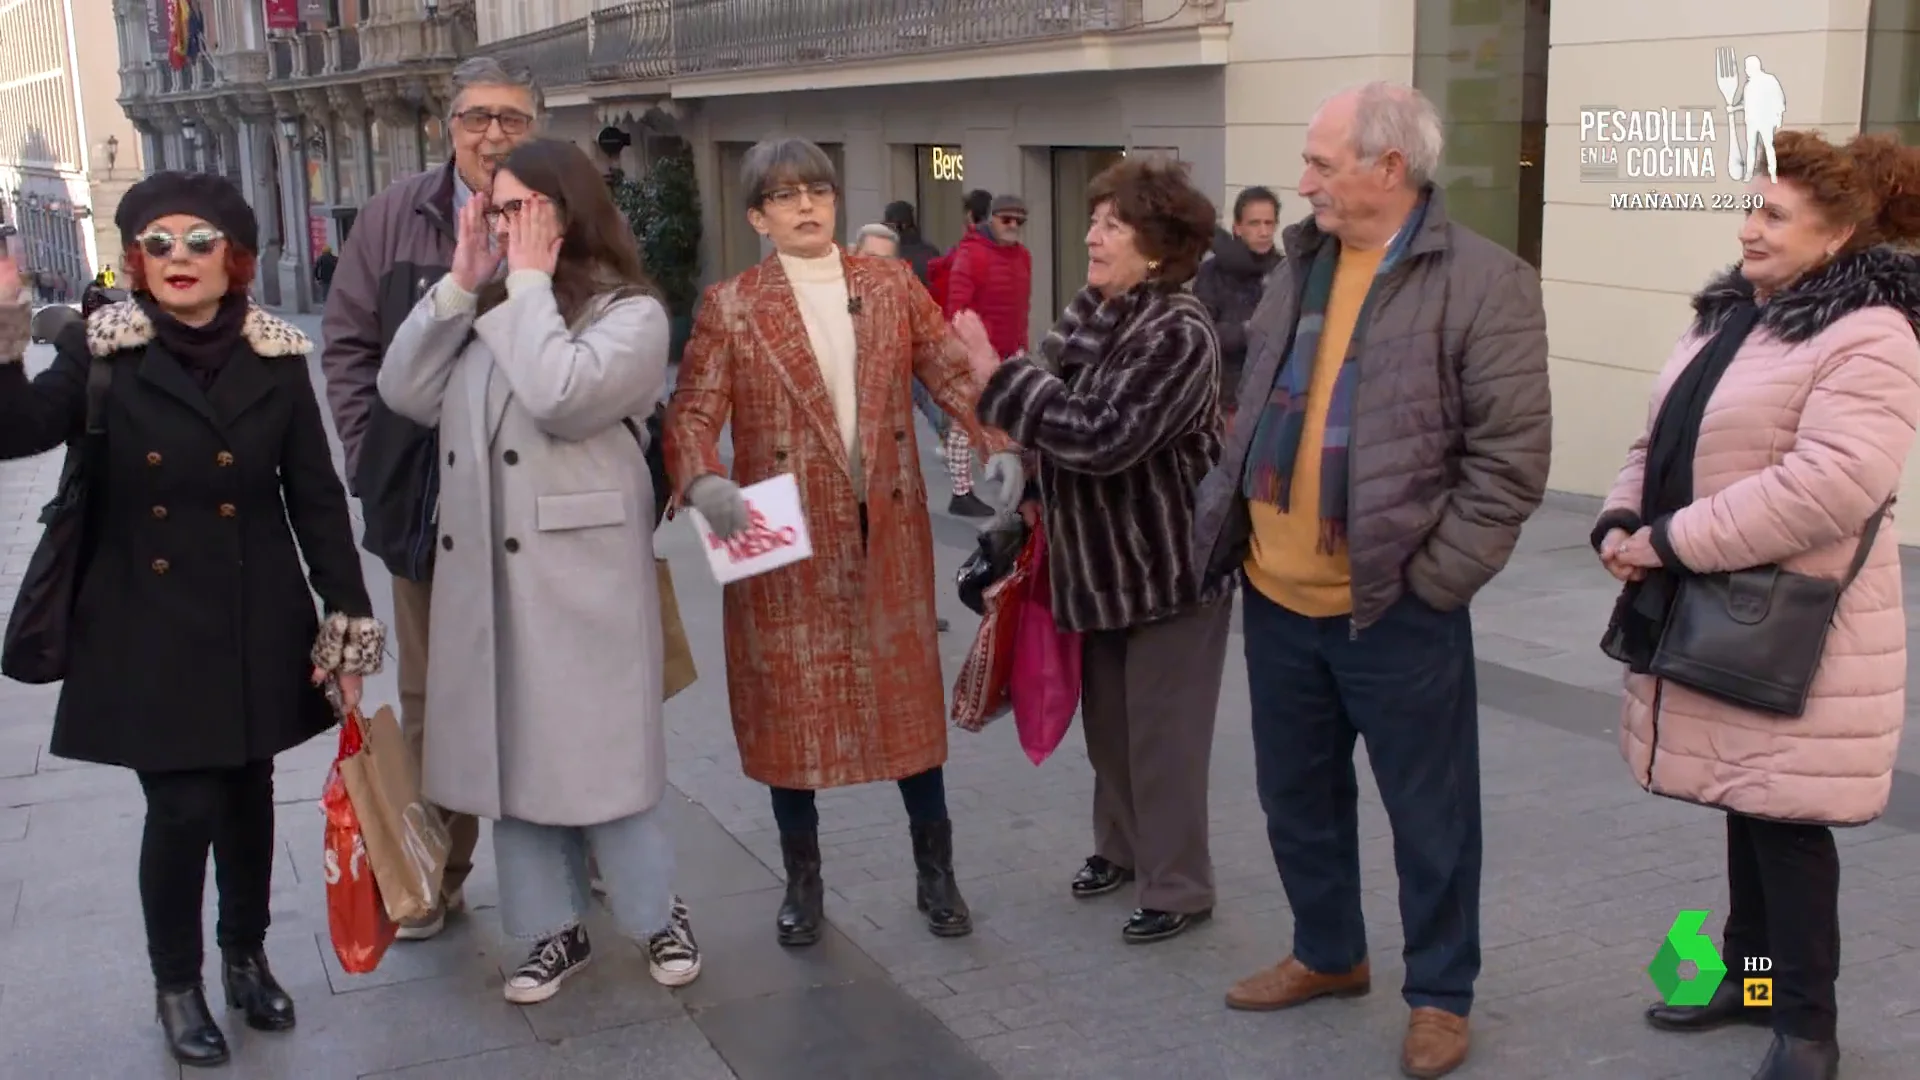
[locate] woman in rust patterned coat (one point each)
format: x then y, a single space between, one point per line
833 667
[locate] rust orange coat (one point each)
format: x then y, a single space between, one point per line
833 666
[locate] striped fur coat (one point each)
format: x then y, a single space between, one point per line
1122 407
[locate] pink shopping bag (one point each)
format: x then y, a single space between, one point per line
1045 682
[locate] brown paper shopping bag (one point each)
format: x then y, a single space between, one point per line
677 653
406 838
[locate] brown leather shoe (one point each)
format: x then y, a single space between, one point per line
1291 983
1436 1043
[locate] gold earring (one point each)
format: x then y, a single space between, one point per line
1153 266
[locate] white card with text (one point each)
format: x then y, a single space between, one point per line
775 536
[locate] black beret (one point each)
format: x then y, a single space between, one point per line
207 196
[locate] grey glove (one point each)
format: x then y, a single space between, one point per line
1009 473
719 501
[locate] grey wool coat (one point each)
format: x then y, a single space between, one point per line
544 666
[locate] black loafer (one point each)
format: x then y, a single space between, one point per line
1725 1008
1148 925
1099 877
1793 1058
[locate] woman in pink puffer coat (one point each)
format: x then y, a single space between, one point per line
1778 427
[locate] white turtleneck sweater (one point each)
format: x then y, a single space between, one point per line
820 289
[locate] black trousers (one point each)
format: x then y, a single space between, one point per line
1783 887
925 795
227 811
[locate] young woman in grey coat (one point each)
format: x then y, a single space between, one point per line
544 690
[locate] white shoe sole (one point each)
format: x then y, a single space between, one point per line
666 977
534 995
422 932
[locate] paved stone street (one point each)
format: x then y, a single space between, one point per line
1584 874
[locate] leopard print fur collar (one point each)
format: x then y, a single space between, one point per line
124 326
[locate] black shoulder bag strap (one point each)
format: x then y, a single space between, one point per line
1865 549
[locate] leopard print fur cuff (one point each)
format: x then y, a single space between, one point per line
350 646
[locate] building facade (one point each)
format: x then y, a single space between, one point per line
66 149
309 105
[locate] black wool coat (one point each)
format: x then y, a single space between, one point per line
195 632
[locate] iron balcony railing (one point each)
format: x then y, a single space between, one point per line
624 41
744 35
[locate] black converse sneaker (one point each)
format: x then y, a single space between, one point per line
673 957
548 965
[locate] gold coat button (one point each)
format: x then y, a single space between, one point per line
160 513
153 457
161 566
228 510
223 459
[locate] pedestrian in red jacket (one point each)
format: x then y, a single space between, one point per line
991 275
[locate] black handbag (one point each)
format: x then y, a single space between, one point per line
999 548
656 459
40 629
1754 637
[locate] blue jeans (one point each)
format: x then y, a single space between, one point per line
544 887
1406 685
923 400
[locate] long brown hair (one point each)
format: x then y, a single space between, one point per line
598 254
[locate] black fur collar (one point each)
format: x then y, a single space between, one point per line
1876 277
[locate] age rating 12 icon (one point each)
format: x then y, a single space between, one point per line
1684 941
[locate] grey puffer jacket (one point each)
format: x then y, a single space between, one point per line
1452 426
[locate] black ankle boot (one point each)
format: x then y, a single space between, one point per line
191 1033
1793 1058
804 907
937 893
251 988
1726 1007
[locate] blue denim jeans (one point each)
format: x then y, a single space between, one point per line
544 887
1406 685
923 400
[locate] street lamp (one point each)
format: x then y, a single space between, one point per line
289 129
433 9
190 131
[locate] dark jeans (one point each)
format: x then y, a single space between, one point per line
1783 888
923 400
924 793
1406 685
228 811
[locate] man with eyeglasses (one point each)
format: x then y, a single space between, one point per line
402 243
992 276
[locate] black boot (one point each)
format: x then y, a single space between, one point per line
251 988
1726 1007
191 1033
937 893
804 907
1793 1058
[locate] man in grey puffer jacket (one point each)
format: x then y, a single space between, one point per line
1392 437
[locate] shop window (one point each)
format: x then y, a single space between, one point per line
940 194
1073 170
1484 65
1891 101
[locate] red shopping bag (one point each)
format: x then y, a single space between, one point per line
356 916
1045 680
980 690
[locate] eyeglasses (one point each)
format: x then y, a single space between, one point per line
158 244
818 191
1012 220
509 209
478 121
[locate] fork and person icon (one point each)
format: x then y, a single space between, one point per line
1764 104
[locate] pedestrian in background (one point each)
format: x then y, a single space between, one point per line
1777 436
991 275
402 243
1365 514
195 653
833 662
1122 407
1232 282
899 217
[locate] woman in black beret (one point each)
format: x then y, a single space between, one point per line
195 653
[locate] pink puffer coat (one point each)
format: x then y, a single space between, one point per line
1803 439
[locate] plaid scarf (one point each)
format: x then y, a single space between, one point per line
1276 439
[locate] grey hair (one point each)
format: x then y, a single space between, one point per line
1395 116
786 161
878 231
493 71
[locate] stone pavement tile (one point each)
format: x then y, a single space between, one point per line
670 1049
852 1030
14 823
744 960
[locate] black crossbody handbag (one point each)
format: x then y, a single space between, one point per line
40 629
1755 637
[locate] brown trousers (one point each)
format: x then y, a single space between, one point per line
1147 700
412 607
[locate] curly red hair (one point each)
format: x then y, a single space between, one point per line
241 266
1871 183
